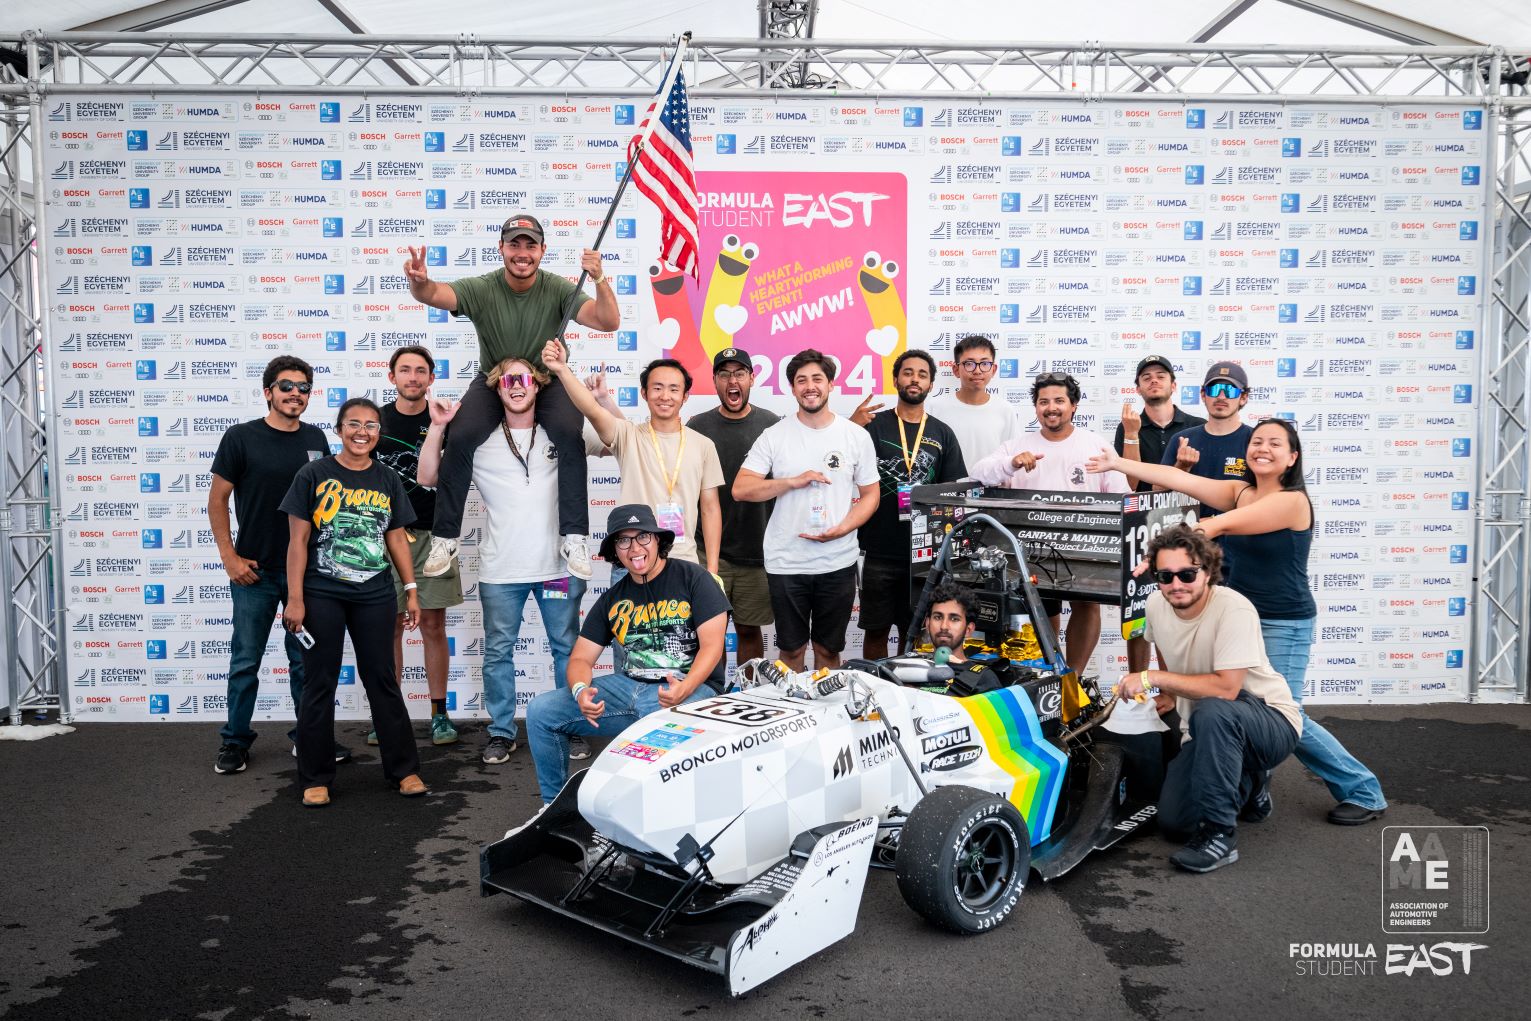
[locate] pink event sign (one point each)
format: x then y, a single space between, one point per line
789 261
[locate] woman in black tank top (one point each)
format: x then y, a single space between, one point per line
1267 526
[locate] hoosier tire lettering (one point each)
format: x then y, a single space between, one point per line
963 859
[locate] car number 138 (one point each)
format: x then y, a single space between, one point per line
738 711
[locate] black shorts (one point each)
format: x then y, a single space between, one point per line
885 600
1052 607
816 606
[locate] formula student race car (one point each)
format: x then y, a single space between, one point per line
735 833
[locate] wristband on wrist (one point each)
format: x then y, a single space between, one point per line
598 281
410 586
581 686
1130 443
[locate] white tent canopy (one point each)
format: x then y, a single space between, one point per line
1243 22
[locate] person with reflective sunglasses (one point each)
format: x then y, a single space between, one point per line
671 619
255 464
981 421
1265 527
1238 719
346 517
516 472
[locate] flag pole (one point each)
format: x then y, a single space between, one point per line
662 96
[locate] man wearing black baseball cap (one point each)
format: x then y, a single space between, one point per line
516 309
1143 437
734 426
1216 449
671 620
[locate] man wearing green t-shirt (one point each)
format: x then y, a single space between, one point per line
515 311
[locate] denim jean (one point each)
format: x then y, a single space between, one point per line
254 613
553 718
1288 644
503 608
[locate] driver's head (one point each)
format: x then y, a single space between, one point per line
951 616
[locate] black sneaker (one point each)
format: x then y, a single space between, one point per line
1348 813
579 749
498 750
232 758
342 753
1209 849
1260 804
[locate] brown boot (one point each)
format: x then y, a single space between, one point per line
314 797
412 786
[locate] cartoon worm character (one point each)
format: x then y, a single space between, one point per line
722 315
677 326
889 333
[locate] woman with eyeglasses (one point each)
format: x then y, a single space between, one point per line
346 519
1266 527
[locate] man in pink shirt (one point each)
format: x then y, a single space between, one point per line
1054 458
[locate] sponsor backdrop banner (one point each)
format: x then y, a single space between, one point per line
1335 252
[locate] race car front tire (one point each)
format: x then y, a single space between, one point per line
963 859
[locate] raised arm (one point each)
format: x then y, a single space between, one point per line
604 422
1219 494
422 287
428 470
603 313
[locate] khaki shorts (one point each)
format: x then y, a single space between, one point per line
747 592
435 593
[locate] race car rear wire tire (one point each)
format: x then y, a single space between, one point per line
963 859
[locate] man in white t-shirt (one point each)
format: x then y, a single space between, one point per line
516 472
824 480
667 466
1054 458
1237 714
981 421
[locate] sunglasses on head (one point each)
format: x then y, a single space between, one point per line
1057 378
510 380
287 386
1232 391
1185 575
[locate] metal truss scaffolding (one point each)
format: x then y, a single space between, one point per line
467 65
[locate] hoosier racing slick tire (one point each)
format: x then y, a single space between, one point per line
963 859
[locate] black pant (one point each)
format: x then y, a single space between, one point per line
477 419
1231 743
371 628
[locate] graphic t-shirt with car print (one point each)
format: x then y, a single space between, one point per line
351 513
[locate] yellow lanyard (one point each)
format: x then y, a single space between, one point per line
669 477
903 441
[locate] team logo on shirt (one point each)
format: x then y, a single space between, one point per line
834 460
1233 468
550 452
1076 476
333 496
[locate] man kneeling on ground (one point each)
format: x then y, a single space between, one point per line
1239 718
671 620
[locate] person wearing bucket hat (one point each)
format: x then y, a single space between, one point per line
515 309
671 620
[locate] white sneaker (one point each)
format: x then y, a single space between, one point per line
576 554
439 561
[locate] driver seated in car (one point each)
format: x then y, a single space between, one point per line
950 622
671 620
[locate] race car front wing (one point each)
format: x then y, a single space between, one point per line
747 933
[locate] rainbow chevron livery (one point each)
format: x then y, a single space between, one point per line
1007 724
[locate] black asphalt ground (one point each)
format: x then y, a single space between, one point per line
141 885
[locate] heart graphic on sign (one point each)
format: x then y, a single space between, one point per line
669 332
883 341
730 318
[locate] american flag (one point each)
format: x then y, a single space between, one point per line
663 172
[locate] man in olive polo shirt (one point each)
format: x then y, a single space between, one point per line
516 310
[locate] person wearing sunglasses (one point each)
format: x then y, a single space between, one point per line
516 472
1237 716
1054 459
346 517
255 464
981 421
1265 529
516 309
671 619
